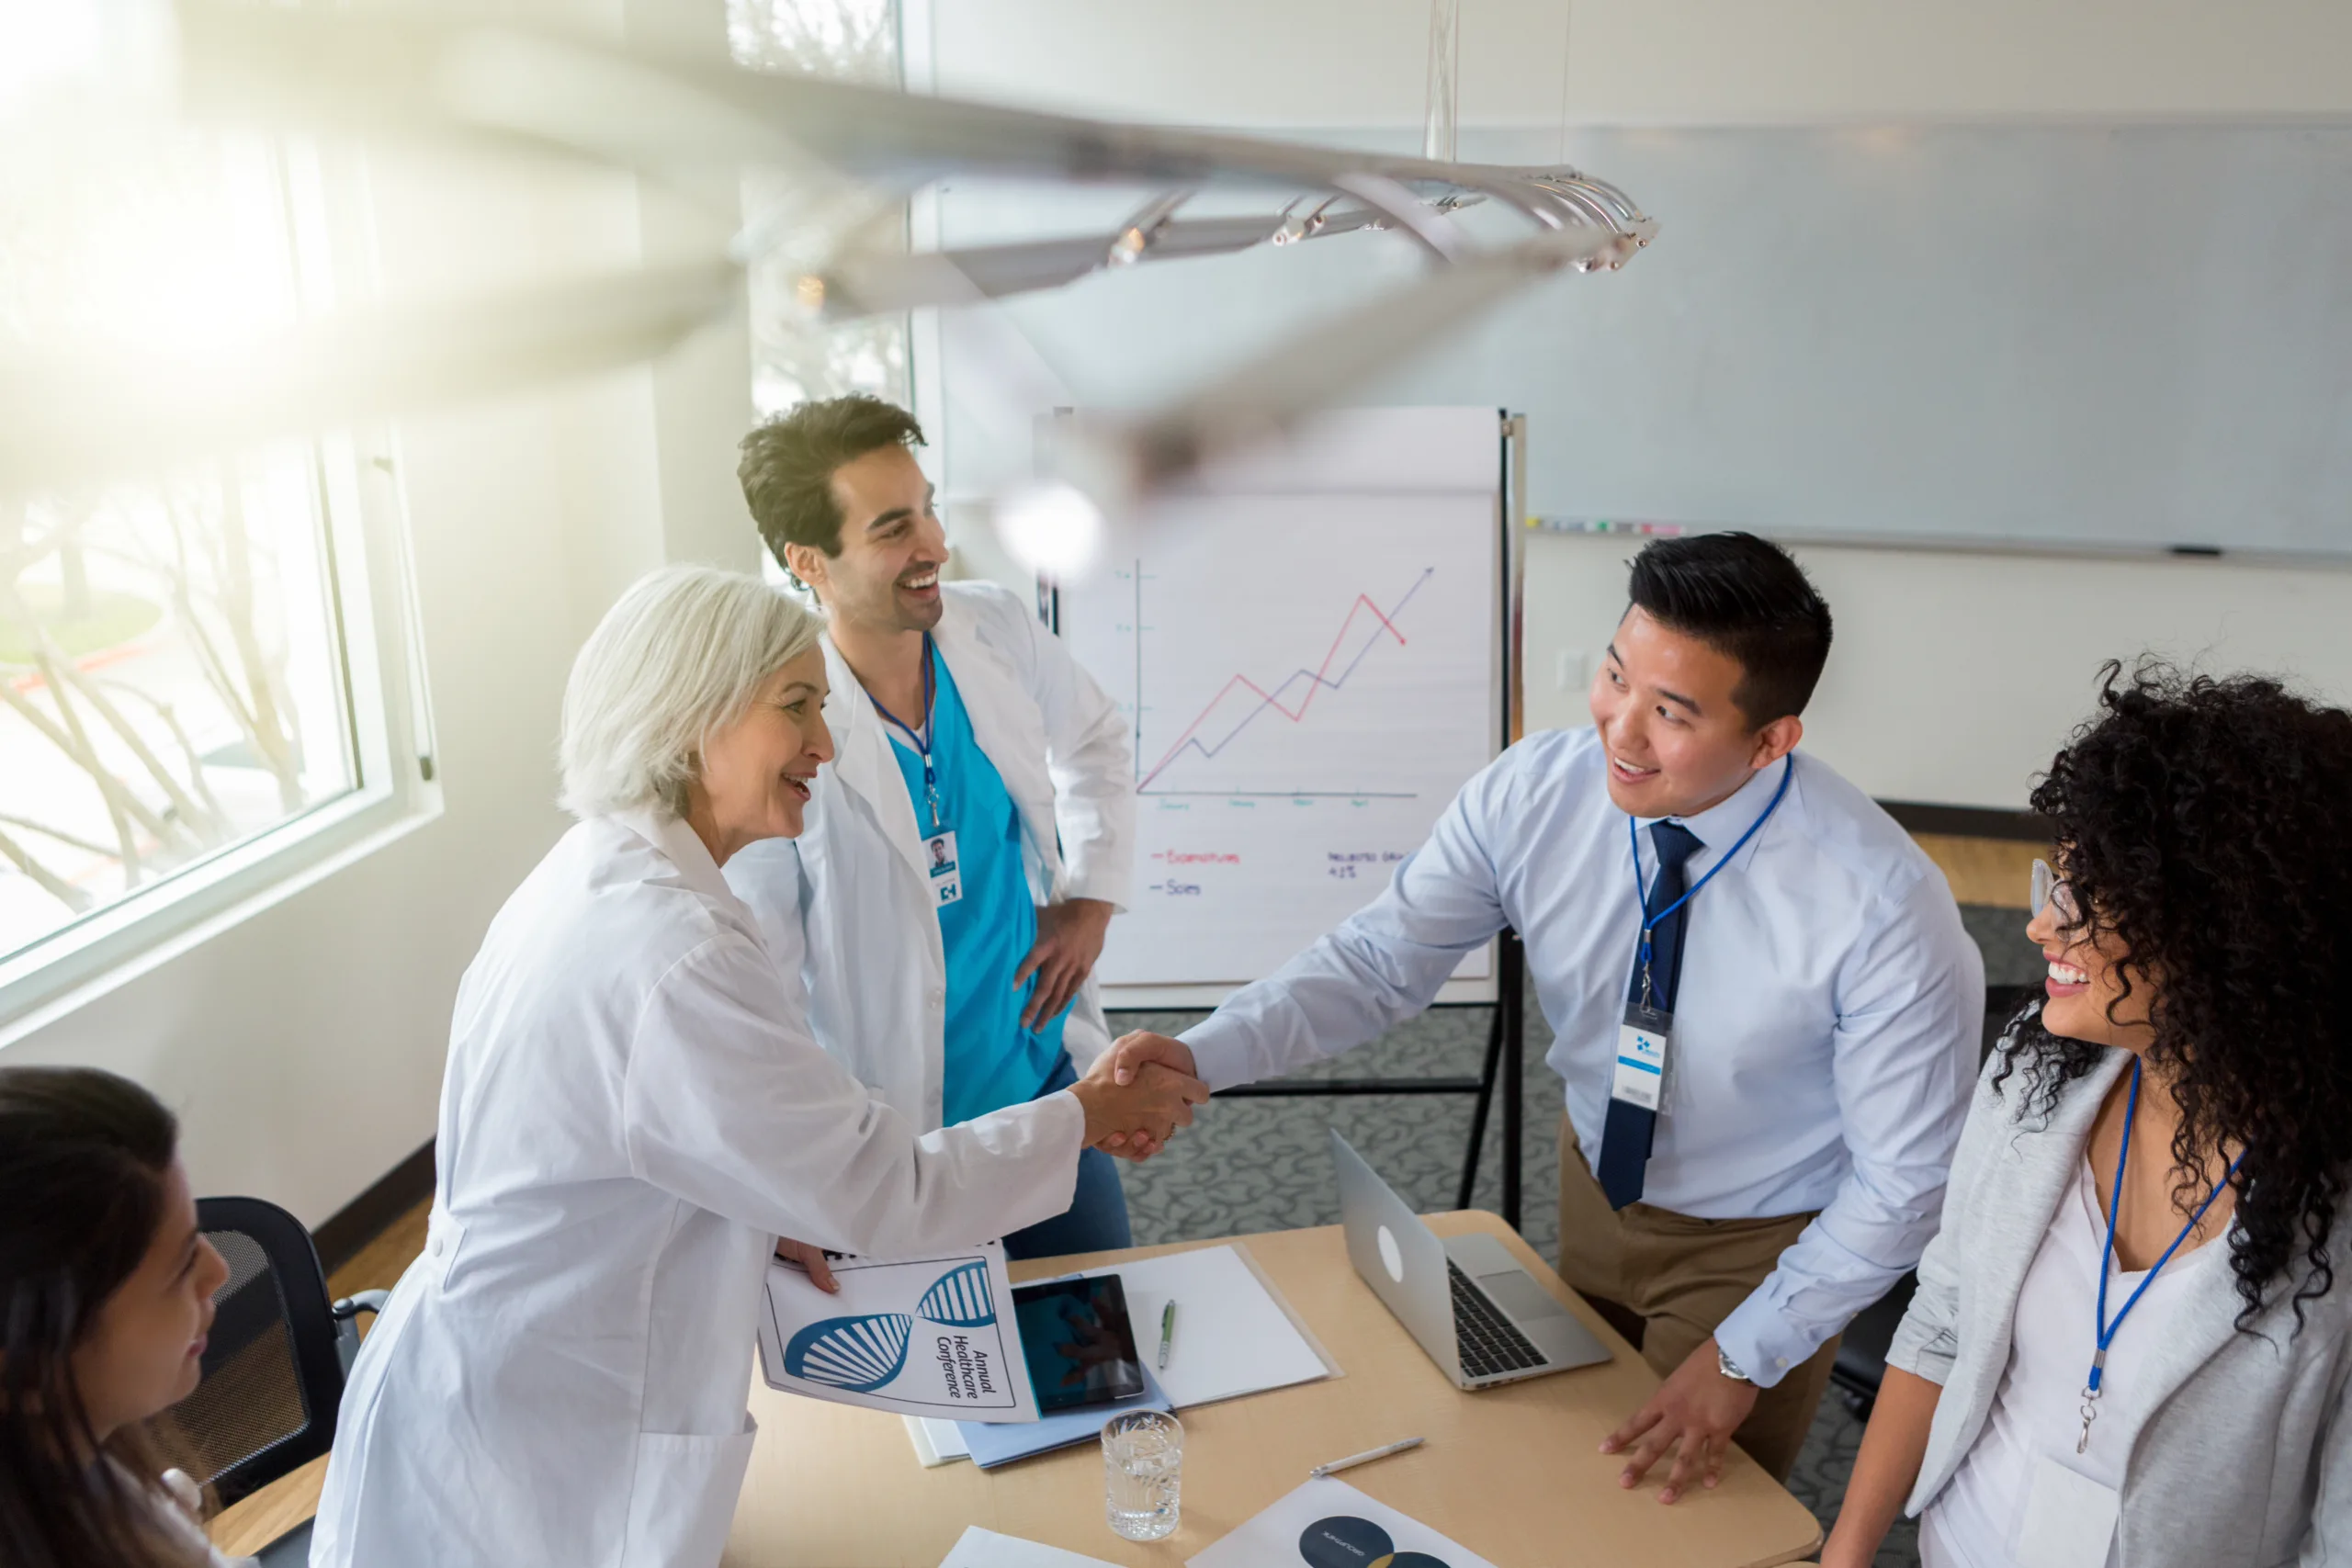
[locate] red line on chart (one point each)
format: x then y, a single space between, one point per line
1317 679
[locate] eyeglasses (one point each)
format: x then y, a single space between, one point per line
2052 892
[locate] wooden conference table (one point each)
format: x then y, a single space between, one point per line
1513 1474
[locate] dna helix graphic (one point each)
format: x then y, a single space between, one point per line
961 1297
861 1354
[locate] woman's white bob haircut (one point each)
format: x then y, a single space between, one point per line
677 659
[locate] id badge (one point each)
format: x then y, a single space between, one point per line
1644 1058
946 882
2069 1518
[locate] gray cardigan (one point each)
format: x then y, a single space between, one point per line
2245 1457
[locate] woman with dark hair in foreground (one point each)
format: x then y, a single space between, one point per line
2126 1344
106 1293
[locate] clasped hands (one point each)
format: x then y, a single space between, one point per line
1136 1096
1690 1419
1137 1093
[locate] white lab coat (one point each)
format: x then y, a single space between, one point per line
1061 747
633 1111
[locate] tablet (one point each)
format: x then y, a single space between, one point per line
1077 1342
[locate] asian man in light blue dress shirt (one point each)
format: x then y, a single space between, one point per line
1821 1002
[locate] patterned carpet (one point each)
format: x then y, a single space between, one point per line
1257 1165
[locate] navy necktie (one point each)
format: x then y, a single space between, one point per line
1625 1137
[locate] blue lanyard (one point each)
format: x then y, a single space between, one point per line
1650 921
921 741
2107 1331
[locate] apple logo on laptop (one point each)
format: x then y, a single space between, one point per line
1392 1256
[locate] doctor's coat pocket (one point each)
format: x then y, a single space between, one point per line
682 1502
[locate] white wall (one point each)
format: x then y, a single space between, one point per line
1319 62
303 1043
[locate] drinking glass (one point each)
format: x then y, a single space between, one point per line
1143 1472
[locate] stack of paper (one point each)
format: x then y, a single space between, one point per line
1233 1335
991 1443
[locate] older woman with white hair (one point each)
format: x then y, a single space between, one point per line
634 1113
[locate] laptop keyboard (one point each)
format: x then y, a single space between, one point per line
1488 1343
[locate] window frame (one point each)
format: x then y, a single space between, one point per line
371 606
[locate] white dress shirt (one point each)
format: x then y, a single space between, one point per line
1826 1028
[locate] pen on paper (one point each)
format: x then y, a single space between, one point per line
1167 1331
1367 1457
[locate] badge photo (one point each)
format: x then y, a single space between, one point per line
939 856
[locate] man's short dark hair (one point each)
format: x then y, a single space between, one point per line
788 463
1747 598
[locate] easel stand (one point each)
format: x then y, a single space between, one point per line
1505 1060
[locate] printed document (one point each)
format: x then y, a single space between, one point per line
1329 1524
930 1336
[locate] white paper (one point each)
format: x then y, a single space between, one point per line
985 1549
2069 1518
936 1441
1329 1524
1232 1336
929 1335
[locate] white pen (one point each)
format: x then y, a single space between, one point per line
1367 1457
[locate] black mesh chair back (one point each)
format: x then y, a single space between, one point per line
273 1376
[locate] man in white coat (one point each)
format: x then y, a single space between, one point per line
979 818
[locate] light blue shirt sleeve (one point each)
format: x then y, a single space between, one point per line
1911 1015
1381 966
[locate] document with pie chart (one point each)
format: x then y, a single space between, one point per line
930 1336
1329 1524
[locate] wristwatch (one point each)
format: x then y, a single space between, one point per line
1730 1368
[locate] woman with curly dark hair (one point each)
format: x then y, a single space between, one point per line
2126 1344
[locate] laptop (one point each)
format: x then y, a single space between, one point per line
1481 1316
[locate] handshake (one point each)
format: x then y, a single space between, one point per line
1137 1093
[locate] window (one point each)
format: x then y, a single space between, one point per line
190 679
794 358
171 683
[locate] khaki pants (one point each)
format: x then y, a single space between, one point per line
1665 1280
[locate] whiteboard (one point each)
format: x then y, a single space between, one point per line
2101 334
1311 668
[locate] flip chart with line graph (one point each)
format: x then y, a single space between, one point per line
1309 677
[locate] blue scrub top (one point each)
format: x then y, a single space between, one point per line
992 1061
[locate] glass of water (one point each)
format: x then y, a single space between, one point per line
1143 1472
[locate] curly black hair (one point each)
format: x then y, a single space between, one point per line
2205 822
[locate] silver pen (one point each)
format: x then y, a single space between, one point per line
1398 1447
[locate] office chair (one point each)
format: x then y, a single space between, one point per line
1860 1366
274 1365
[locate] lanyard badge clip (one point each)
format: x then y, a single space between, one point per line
939 844
1644 1072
